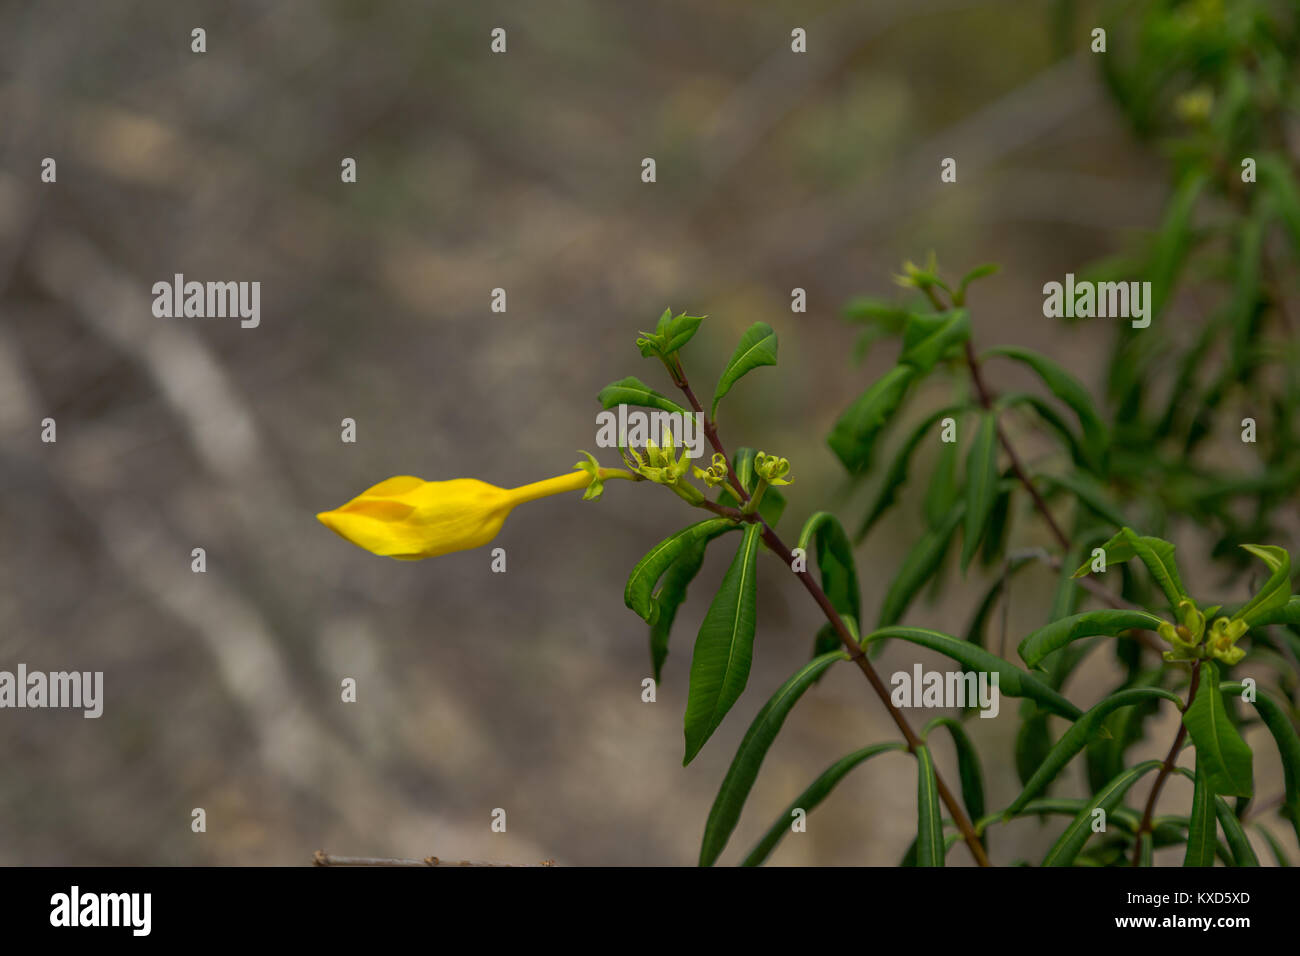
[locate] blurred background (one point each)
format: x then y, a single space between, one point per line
475 171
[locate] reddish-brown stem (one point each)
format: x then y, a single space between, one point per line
1166 768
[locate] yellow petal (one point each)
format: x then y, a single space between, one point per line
408 518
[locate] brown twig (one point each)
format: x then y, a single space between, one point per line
1166 768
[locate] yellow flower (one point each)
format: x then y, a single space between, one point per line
408 518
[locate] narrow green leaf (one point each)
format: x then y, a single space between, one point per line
897 473
638 595
853 437
633 391
1077 736
1174 240
1242 852
979 272
1228 761
671 593
1033 741
918 567
942 491
981 486
817 791
927 338
1274 845
1276 591
968 765
1276 719
1096 438
1089 493
834 560
1068 845
1100 623
1203 831
929 824
979 620
1288 613
1012 681
1156 553
743 771
724 648
1045 411
757 348
1146 848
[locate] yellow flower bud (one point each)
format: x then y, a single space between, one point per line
409 518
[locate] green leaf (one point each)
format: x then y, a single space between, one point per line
757 347
1242 852
1172 242
1227 759
1033 742
979 620
927 338
1091 494
917 568
1044 410
1146 848
1012 681
897 473
1276 591
853 437
743 771
1068 845
679 331
633 391
834 560
645 576
1077 736
724 648
941 494
1275 172
1203 832
968 765
1100 623
817 791
981 486
1288 613
1278 722
929 824
979 272
1279 854
1096 438
670 595
1156 553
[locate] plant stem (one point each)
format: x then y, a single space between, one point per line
1166 768
856 654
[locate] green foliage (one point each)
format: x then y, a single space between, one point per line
757 348
1128 465
724 648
